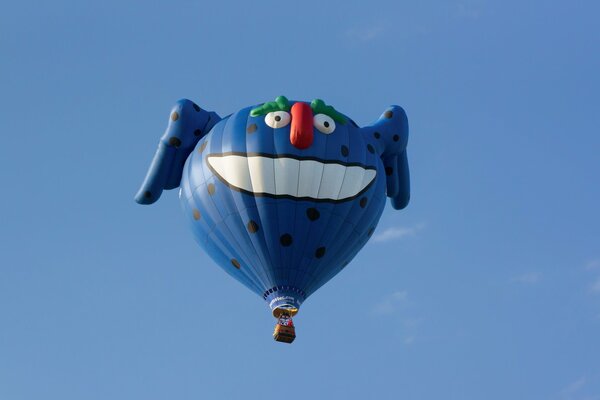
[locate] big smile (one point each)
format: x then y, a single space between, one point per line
290 177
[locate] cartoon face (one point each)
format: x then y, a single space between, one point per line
303 152
284 194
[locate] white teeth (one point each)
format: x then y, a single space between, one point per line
310 178
285 170
353 182
261 169
285 176
331 181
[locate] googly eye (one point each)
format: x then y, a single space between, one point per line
277 119
324 123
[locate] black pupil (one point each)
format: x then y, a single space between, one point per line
326 124
277 118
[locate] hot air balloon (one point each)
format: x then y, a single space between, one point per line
281 195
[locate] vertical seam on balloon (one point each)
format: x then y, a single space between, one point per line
191 196
350 249
294 226
375 216
241 271
317 262
282 251
311 263
249 270
230 193
226 248
223 249
267 268
276 208
237 198
320 273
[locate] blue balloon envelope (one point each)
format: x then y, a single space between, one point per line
281 195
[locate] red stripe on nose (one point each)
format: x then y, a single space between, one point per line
301 131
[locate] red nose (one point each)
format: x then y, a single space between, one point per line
301 131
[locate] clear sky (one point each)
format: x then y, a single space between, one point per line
486 287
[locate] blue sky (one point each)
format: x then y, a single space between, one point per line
486 287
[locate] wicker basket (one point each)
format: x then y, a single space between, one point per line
285 334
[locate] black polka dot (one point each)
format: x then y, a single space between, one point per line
389 170
320 252
396 138
313 214
251 128
371 230
174 116
202 147
196 107
377 135
363 202
148 194
370 148
277 118
175 142
286 240
197 132
388 114
252 227
345 151
326 124
235 263
211 189
196 214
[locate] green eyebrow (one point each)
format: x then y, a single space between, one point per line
281 103
319 107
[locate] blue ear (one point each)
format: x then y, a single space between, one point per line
391 131
188 123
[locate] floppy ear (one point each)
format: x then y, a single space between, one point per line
188 123
391 133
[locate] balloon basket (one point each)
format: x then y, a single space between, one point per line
285 331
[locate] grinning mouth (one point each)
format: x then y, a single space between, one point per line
290 177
